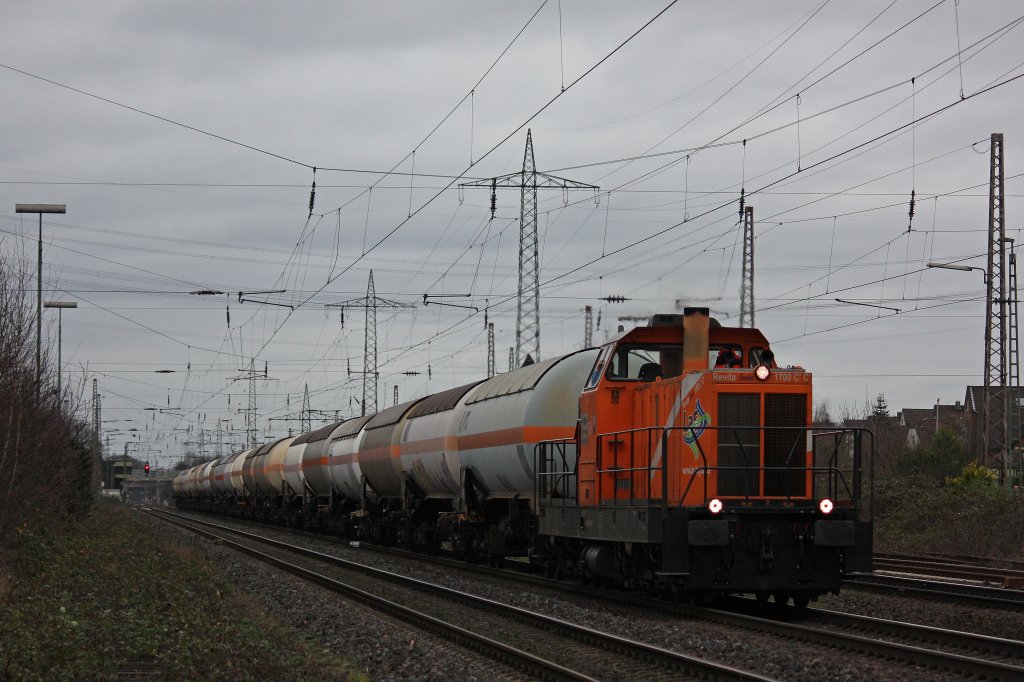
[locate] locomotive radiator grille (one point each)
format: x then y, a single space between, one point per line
739 443
740 447
785 450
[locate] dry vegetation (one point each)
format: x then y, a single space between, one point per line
87 590
117 595
49 456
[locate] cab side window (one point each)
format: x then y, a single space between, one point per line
595 374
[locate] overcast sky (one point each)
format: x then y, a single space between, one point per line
182 136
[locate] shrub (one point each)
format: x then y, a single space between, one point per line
48 456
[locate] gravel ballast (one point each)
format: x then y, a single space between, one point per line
387 654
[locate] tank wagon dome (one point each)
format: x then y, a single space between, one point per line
273 465
429 447
311 450
235 472
222 474
343 468
252 468
178 484
377 455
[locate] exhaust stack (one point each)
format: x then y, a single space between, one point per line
696 325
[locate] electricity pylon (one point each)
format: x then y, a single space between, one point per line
371 302
528 181
747 282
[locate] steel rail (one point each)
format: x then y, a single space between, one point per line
974 595
850 642
633 649
996 646
946 569
957 560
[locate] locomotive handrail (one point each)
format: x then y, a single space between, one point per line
549 483
841 483
835 475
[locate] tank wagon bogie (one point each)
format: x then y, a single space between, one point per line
677 458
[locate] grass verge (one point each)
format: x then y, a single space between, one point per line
110 597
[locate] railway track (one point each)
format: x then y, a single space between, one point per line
967 595
962 653
584 653
957 560
949 569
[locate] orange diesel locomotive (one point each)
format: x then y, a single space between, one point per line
696 469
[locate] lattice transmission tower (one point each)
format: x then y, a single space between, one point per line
371 303
747 280
97 415
997 396
528 181
306 423
490 350
588 326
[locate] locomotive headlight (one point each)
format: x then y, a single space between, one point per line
762 372
826 505
715 506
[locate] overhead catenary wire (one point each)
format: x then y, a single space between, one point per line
308 253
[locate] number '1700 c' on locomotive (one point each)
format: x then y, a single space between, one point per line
677 458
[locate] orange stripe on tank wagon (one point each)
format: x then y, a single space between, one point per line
381 452
419 447
489 439
514 436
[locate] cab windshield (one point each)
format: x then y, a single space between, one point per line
645 362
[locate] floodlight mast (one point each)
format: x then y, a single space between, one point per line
60 306
40 209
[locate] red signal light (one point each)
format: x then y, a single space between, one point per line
147 468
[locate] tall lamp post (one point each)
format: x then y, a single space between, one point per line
60 306
40 209
997 397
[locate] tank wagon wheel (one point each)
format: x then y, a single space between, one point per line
762 597
801 600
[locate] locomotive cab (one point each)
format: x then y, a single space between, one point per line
697 470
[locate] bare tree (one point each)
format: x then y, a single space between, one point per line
47 455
